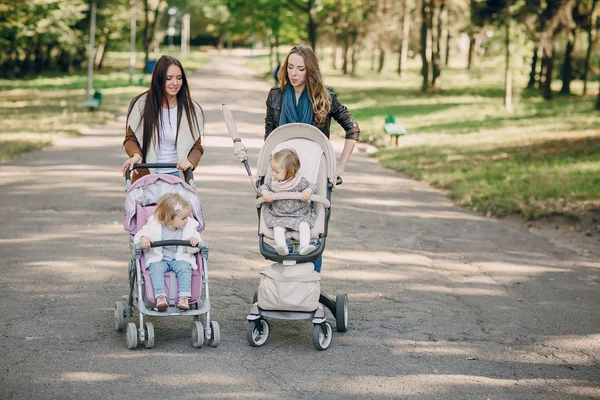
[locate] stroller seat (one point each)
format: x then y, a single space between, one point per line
317 165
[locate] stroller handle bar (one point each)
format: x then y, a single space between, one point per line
189 175
294 196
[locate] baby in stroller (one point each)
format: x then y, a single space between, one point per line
154 199
170 221
292 214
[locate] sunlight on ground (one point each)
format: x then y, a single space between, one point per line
504 269
91 376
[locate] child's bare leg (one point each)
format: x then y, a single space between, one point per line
280 244
304 232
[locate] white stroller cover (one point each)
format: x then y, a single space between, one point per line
150 189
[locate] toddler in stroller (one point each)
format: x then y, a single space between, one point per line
181 297
290 288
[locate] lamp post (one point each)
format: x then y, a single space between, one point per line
171 29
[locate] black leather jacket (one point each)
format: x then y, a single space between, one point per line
338 111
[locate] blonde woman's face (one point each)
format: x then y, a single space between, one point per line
296 71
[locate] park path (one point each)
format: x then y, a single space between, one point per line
444 304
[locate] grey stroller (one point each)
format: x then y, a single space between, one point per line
290 288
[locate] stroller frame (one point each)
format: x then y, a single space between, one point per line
208 331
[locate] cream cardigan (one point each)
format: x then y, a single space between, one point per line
153 230
185 141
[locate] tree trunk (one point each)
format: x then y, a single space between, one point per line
590 45
567 68
381 59
405 37
586 65
345 48
312 28
534 63
437 48
471 54
425 17
508 71
448 40
335 53
355 52
100 55
548 62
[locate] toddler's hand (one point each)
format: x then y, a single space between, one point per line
267 195
194 241
306 194
146 242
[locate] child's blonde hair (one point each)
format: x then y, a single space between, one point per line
288 159
168 206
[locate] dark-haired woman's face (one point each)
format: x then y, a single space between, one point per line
296 70
173 80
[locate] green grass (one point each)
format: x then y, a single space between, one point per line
37 110
541 159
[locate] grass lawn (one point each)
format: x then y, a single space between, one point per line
35 111
542 159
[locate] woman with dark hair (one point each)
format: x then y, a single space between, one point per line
164 124
302 97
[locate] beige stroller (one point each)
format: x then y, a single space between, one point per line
290 288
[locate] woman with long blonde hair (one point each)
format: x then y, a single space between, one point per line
302 97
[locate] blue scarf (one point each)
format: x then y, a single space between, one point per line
290 112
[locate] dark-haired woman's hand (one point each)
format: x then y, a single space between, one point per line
136 159
184 164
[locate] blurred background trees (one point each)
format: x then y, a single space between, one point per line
555 38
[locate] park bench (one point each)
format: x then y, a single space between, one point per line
392 128
93 102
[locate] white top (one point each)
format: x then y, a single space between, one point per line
167 151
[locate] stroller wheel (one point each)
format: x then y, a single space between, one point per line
341 312
257 332
321 335
215 339
119 318
197 334
131 336
149 335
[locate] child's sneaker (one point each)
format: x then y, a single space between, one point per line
161 303
307 249
183 304
282 250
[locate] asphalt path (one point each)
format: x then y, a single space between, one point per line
444 303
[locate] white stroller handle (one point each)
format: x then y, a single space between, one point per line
294 196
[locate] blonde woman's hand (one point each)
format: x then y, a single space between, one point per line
146 242
184 164
306 194
136 159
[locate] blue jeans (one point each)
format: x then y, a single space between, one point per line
182 269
